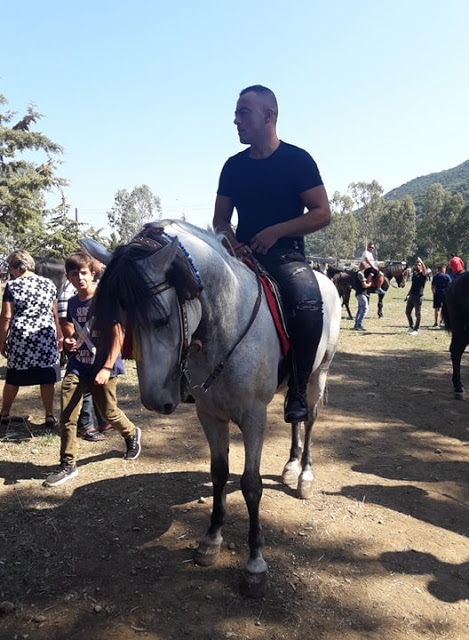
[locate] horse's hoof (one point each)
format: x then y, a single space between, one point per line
304 490
459 395
253 585
290 474
206 554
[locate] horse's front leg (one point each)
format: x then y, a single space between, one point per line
255 568
217 433
380 305
347 305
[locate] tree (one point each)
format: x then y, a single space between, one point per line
340 237
63 234
368 198
131 211
461 232
450 229
440 230
23 182
397 231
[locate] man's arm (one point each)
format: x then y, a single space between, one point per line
103 375
222 218
68 331
317 216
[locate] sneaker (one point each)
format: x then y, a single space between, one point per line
435 324
61 474
414 332
410 329
361 328
133 445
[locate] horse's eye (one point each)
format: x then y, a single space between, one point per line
160 322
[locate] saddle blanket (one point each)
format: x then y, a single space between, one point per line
275 305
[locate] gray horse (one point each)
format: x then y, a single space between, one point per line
199 314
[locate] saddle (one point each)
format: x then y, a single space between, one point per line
274 301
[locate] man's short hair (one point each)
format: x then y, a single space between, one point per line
79 260
270 101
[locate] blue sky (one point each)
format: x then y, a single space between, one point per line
143 92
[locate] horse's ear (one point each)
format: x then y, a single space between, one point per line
161 260
97 250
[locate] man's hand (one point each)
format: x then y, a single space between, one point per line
70 344
264 240
102 377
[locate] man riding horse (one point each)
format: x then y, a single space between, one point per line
271 184
372 272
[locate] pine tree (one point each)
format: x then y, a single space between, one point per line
23 181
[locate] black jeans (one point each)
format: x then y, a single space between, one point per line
414 302
303 301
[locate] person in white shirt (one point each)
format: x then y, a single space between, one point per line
372 272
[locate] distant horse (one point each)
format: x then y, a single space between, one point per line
397 270
196 311
456 317
344 280
53 268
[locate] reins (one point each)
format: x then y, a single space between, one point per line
221 365
156 238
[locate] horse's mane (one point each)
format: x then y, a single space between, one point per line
124 296
52 268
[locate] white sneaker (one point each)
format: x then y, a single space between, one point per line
413 332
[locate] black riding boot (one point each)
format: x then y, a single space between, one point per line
306 331
296 404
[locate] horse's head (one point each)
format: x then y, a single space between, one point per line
143 289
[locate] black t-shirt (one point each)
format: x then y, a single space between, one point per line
417 284
267 191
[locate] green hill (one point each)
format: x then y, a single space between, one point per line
454 180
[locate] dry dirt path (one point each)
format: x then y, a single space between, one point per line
380 551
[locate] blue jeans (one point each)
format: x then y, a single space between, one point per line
363 304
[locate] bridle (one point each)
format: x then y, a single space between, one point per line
155 238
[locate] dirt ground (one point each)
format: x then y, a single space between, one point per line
379 552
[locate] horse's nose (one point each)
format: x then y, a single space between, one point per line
167 408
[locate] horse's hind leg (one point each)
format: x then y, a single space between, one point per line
292 469
217 433
316 391
459 342
305 479
347 304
